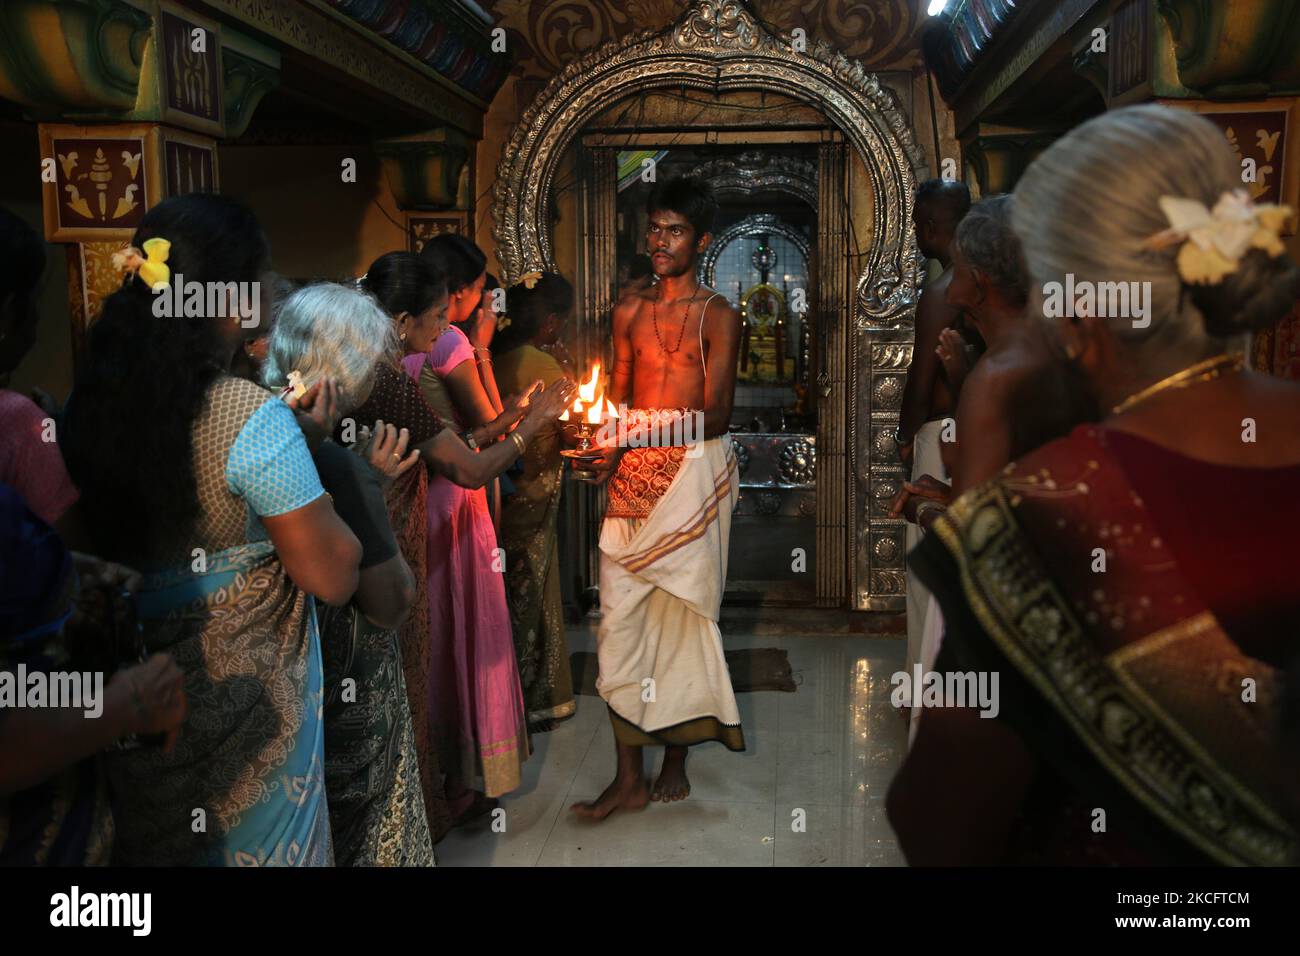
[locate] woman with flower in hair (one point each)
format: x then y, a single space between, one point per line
205 484
1137 625
538 307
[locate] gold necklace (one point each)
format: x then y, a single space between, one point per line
1210 368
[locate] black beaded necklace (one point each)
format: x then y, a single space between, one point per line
654 316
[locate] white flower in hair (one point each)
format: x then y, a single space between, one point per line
1213 241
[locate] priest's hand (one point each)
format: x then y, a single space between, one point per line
603 463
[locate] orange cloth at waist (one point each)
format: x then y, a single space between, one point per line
644 474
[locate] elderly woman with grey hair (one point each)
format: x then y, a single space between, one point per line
338 334
1126 630
330 333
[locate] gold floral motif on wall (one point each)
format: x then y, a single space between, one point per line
547 35
105 178
100 182
1259 132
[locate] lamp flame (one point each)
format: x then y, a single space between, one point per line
587 390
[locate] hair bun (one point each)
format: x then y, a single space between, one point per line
1257 295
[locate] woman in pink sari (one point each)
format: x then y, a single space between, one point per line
477 700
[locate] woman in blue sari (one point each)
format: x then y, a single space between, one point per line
206 484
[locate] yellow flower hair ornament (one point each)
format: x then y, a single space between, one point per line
1213 241
150 266
529 279
503 321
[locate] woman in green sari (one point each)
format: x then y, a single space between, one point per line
537 309
1137 625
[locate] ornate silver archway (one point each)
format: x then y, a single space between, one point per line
755 225
719 46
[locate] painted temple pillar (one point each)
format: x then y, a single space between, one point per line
431 178
996 156
130 100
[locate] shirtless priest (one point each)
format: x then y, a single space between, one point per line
673 482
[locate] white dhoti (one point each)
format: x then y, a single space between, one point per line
662 668
926 460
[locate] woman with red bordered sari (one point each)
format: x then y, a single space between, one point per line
1139 628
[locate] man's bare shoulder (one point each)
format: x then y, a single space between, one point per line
634 298
1003 369
628 305
932 308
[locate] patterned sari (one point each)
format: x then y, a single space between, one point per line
1122 682
528 535
477 706
245 784
372 774
396 400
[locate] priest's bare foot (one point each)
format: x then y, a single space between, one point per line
672 784
625 793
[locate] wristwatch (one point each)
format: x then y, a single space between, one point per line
468 436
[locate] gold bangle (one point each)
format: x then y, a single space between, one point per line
519 442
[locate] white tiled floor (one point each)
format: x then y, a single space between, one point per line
808 791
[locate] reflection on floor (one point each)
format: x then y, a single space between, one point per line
808 791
